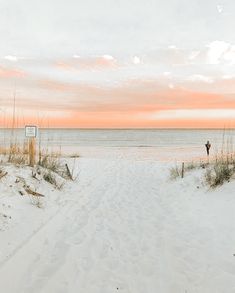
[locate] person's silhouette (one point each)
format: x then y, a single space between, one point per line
208 146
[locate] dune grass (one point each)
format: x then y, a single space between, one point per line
220 170
176 171
51 165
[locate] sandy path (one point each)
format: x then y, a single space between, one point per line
121 230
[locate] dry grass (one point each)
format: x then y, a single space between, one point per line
74 156
50 177
17 154
191 166
3 173
52 162
222 167
4 150
18 159
220 170
174 172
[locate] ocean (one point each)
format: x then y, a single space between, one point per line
159 144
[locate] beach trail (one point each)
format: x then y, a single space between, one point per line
124 227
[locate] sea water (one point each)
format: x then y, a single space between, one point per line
160 144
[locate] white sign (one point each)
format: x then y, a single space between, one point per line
30 131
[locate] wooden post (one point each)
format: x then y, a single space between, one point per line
68 172
182 172
31 134
32 151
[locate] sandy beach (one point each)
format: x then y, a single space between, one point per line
117 157
122 226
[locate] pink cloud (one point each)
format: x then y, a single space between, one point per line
8 73
89 63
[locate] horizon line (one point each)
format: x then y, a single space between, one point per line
125 128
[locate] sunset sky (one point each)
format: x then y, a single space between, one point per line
118 63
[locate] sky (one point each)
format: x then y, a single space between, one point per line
118 63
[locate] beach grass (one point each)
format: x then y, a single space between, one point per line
218 169
49 163
221 170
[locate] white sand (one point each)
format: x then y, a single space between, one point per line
122 227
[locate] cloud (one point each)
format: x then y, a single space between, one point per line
134 102
172 47
219 52
167 73
108 57
193 55
64 65
220 8
199 77
11 58
136 60
195 114
8 72
104 85
216 50
137 95
79 63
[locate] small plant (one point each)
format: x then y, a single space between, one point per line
53 163
50 163
220 173
17 154
190 166
2 173
221 170
174 172
74 156
17 159
51 178
209 177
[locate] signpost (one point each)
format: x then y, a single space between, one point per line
31 134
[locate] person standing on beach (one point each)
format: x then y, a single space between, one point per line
208 146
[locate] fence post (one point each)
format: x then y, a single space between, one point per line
182 171
32 151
